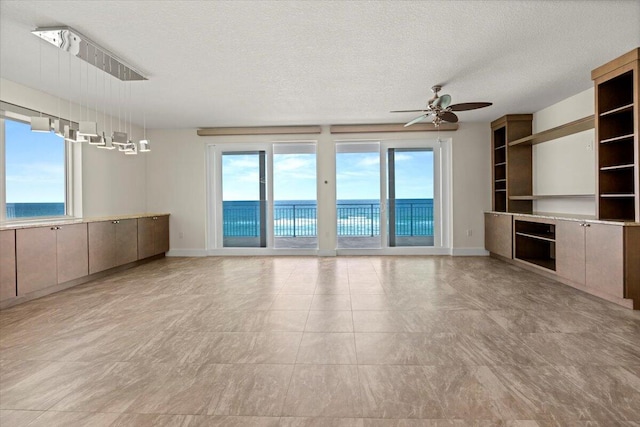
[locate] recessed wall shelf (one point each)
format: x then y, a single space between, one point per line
567 129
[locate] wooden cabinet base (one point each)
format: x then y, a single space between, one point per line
79 281
625 302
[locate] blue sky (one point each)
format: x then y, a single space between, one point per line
358 176
34 165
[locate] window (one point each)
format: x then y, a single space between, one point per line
35 172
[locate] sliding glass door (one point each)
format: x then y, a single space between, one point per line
410 196
244 199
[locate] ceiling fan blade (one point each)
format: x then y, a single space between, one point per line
443 101
469 106
449 117
416 120
409 111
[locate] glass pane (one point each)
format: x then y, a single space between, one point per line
35 172
411 175
358 199
243 199
294 193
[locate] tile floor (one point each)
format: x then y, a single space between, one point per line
305 341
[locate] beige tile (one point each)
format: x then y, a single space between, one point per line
329 321
324 391
74 419
114 390
331 302
16 418
40 385
183 389
335 348
254 390
398 392
156 420
246 347
320 422
292 302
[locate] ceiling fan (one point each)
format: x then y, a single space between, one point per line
441 109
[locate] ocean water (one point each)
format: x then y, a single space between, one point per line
298 218
33 210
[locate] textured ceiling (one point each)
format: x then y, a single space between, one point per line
256 63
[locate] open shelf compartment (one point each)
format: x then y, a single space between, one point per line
535 243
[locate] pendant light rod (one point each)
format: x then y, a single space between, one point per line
72 41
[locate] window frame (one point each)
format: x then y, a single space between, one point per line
18 114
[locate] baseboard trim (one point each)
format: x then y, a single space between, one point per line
187 253
469 252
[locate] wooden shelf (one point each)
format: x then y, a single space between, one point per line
501 180
500 147
537 236
618 195
501 164
500 190
628 107
617 167
617 138
576 126
551 196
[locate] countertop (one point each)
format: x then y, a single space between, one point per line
569 217
46 222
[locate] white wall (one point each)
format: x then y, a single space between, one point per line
176 182
111 183
566 165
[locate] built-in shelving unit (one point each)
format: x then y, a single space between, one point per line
535 243
511 166
617 123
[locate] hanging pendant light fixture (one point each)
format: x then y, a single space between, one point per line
77 44
40 123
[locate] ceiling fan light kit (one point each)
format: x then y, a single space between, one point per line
441 109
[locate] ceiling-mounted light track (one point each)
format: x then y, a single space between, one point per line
77 44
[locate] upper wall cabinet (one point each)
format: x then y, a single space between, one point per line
617 118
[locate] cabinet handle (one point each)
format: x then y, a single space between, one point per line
155 217
54 228
114 222
587 225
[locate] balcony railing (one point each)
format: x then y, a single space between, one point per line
353 219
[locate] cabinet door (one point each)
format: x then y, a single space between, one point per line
498 237
126 243
570 251
161 235
7 264
35 259
72 252
605 259
102 238
146 231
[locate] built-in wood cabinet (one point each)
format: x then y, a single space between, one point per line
72 254
7 264
153 236
511 165
602 258
112 243
497 236
46 256
617 102
38 260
